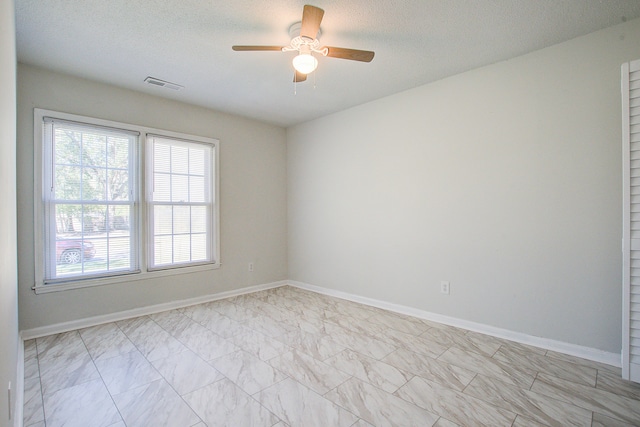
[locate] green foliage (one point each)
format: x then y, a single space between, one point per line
90 166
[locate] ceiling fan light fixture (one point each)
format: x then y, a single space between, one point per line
304 41
305 63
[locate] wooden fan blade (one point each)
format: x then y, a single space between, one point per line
299 77
352 54
255 48
311 19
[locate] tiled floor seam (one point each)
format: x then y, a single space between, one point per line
101 379
336 403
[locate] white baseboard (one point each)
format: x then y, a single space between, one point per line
588 353
142 311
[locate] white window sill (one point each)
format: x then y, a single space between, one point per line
88 283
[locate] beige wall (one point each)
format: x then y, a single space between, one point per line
505 181
9 341
252 197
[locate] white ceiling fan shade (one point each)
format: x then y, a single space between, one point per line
305 63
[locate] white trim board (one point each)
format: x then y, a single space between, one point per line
142 311
588 353
18 390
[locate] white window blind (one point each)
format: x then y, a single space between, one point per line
180 202
89 198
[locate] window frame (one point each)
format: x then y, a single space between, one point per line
51 201
151 203
142 215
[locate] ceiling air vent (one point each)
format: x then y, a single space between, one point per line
162 83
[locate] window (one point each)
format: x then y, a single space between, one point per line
180 201
104 216
90 202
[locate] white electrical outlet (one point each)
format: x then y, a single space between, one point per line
444 287
250 266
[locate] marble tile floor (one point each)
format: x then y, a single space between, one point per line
290 357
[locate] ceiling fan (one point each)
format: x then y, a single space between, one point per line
304 40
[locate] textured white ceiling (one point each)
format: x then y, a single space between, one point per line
189 42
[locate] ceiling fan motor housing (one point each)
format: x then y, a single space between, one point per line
302 44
